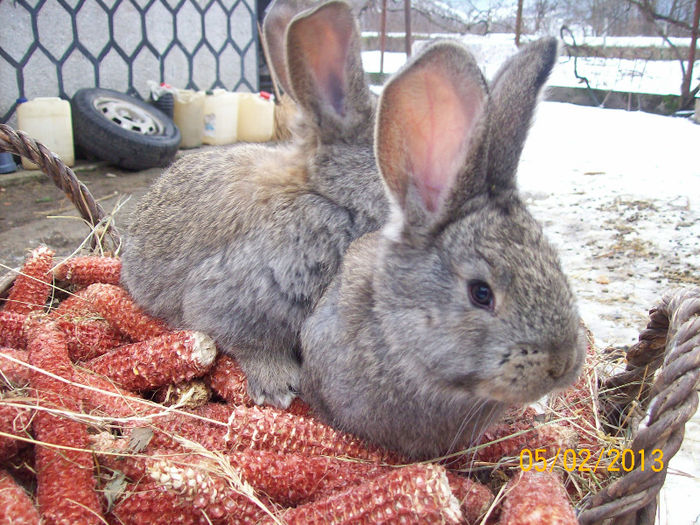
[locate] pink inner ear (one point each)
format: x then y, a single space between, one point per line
325 43
438 138
435 120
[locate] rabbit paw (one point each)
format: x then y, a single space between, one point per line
271 383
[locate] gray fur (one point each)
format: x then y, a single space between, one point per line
240 243
396 351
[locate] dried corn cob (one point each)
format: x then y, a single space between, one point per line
88 334
227 379
292 479
533 497
474 498
170 358
15 505
272 429
12 329
266 428
413 494
89 269
31 288
153 504
106 398
195 479
114 304
13 421
65 484
12 372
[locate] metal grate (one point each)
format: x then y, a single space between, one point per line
55 47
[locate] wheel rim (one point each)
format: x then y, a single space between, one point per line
128 116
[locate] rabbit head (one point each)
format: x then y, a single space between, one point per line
459 306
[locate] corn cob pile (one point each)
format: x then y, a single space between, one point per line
106 415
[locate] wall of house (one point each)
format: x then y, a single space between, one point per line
55 47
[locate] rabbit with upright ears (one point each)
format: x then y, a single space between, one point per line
241 242
458 307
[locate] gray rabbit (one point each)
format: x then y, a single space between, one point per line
240 243
458 307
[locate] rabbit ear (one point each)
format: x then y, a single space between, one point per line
325 65
514 91
274 30
431 122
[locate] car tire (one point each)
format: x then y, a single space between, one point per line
122 130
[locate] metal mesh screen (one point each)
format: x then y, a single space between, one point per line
55 47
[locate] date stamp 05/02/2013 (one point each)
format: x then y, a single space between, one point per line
585 460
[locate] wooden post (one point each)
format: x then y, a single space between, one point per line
685 86
407 22
518 22
382 37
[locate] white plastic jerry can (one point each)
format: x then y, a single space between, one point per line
256 117
48 120
220 117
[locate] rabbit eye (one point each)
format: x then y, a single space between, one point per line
481 295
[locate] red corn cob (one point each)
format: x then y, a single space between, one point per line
266 429
170 358
90 269
17 374
114 304
88 334
292 479
153 504
15 505
413 494
14 421
533 497
65 484
31 288
474 498
194 479
287 479
12 329
272 429
227 379
106 398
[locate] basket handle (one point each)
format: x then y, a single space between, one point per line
671 339
20 143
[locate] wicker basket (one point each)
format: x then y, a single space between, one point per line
661 404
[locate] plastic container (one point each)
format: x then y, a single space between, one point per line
220 117
188 114
48 120
256 118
